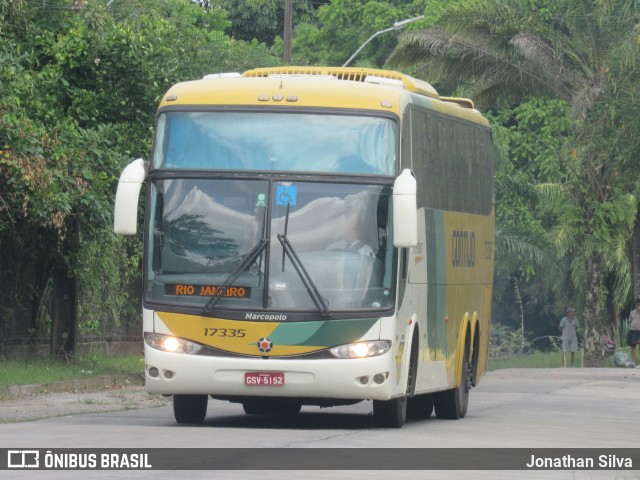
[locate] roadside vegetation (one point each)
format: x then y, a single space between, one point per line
27 371
511 348
531 360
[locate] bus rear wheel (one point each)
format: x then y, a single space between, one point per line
190 408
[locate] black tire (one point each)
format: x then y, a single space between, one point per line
475 356
390 413
256 407
393 413
453 404
420 406
286 407
190 409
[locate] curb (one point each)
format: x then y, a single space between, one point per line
77 385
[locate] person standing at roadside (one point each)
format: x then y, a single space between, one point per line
633 338
568 327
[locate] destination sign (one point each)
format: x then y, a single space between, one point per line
188 290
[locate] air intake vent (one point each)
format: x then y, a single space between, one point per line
346 73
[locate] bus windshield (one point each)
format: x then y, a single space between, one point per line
268 141
202 231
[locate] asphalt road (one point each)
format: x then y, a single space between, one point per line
515 408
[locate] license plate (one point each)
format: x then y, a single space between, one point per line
262 379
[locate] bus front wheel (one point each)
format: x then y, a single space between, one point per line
391 413
453 404
190 408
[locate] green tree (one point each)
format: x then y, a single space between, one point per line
261 20
578 51
80 85
528 137
339 27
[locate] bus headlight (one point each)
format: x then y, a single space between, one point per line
361 349
168 343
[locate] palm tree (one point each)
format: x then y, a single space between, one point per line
583 52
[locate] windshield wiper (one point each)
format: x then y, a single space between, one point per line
287 248
257 249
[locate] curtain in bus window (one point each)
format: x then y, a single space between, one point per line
192 143
339 233
380 139
453 159
276 142
209 226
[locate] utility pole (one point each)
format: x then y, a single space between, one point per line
287 30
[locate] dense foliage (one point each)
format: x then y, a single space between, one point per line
80 83
583 54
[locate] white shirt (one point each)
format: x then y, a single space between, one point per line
568 327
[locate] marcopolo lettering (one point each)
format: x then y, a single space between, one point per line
266 316
463 249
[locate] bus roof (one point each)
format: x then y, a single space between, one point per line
350 74
338 87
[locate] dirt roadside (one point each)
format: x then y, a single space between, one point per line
103 394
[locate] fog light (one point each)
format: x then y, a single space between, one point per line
168 374
364 380
154 372
379 378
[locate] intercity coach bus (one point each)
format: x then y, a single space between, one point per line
315 236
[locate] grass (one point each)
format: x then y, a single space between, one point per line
544 360
533 360
26 371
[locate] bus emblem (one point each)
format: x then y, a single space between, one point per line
265 344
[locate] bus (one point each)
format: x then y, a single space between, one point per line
315 236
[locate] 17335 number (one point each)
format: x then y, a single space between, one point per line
225 332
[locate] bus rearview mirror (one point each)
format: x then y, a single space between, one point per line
125 219
405 210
